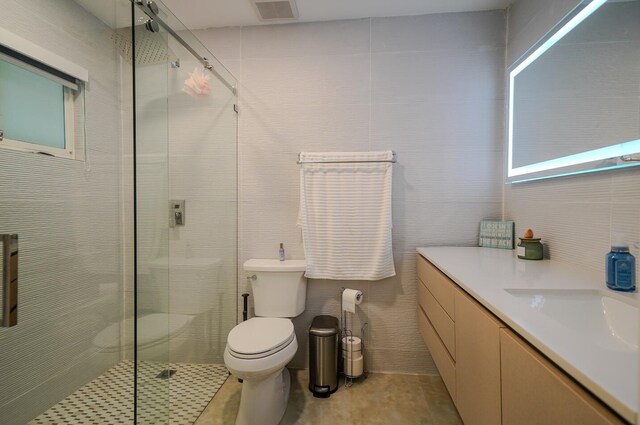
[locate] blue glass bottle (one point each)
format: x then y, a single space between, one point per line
621 269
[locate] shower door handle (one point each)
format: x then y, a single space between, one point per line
9 280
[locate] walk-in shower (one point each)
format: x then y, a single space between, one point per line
127 264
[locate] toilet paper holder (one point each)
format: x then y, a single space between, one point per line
349 360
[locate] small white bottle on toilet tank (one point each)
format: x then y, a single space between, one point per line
281 252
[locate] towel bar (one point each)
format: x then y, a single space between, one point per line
393 160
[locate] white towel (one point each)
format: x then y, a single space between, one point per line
345 215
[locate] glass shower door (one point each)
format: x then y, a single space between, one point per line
186 192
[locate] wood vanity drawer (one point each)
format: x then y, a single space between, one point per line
444 362
442 323
440 286
536 392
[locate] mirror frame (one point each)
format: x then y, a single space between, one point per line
621 155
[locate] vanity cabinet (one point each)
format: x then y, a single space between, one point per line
464 341
437 324
478 396
493 376
536 392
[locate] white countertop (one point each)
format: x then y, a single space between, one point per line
485 273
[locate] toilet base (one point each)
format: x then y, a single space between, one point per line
264 402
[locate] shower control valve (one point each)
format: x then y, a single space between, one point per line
176 213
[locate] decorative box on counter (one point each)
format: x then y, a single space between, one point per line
497 234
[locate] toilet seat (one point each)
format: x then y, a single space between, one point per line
260 337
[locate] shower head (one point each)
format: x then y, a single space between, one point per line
151 47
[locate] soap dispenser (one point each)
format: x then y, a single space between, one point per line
621 269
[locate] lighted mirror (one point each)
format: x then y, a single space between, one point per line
574 98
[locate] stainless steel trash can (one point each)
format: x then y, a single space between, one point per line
323 355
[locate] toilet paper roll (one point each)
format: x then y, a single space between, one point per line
350 355
351 344
350 299
353 367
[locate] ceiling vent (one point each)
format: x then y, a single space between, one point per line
279 10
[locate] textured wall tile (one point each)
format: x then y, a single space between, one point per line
624 185
563 225
391 302
224 43
271 82
438 75
446 31
292 128
310 39
447 223
448 176
68 216
437 126
588 188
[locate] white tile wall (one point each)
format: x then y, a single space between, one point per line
68 216
577 217
429 87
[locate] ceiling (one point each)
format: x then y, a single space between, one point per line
198 14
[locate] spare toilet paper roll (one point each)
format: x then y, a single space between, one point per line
351 344
354 367
350 299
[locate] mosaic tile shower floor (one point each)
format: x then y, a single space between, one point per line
108 399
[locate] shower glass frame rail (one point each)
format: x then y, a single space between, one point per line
151 10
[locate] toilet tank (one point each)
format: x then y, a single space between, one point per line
279 288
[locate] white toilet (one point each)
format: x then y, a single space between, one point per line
258 349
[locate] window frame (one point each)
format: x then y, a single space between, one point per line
32 58
69 133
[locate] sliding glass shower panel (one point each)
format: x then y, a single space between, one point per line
194 98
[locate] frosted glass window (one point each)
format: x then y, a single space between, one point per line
32 107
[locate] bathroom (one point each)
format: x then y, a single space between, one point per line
122 283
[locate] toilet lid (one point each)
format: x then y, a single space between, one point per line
260 335
152 328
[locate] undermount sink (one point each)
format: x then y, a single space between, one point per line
611 322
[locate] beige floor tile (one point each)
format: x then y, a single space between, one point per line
377 399
223 408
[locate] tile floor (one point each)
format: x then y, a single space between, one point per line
108 399
378 399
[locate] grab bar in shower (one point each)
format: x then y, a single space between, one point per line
9 280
